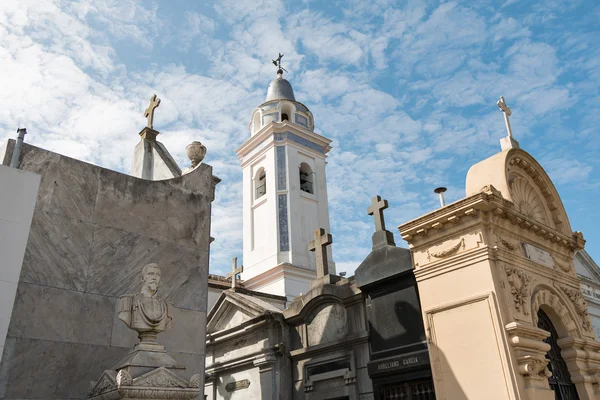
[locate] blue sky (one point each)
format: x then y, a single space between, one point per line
407 91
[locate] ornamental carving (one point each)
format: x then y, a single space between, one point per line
124 378
580 304
449 251
519 287
195 381
537 369
526 199
160 377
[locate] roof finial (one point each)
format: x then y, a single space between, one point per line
508 142
277 63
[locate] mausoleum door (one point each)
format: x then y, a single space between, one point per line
414 390
560 381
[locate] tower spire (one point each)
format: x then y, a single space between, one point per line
277 63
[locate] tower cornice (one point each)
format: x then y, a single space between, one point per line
298 135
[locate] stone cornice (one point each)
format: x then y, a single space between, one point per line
347 342
489 200
272 128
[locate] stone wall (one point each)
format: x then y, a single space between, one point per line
93 229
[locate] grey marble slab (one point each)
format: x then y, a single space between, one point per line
185 335
44 163
58 370
75 189
118 257
155 209
61 315
58 251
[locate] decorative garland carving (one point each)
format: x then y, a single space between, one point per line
580 304
508 245
519 287
449 251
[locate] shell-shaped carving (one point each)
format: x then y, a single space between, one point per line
527 200
124 378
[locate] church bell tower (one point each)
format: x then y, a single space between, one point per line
285 193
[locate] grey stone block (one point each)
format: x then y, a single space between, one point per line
58 251
118 257
75 189
54 370
44 163
157 209
61 315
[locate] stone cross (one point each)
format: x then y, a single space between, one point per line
154 103
319 246
234 271
376 210
506 110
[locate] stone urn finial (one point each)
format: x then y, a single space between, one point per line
195 152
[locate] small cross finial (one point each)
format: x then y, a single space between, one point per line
277 63
319 246
507 113
149 113
234 272
376 210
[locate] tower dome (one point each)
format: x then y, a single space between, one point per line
280 89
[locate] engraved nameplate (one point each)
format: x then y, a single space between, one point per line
538 255
237 385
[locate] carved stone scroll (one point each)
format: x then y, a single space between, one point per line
519 287
580 304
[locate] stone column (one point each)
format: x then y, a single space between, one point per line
269 384
530 352
583 359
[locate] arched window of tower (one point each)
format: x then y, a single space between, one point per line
287 112
260 181
256 122
306 178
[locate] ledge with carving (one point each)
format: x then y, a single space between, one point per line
159 383
530 350
485 207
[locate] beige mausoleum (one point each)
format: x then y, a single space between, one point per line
504 314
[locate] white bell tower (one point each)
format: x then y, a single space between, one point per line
285 194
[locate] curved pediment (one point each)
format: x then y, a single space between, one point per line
522 180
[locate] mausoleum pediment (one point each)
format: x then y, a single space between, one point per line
233 309
523 181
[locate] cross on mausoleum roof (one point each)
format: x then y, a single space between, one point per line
319 246
234 271
506 110
376 210
154 103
